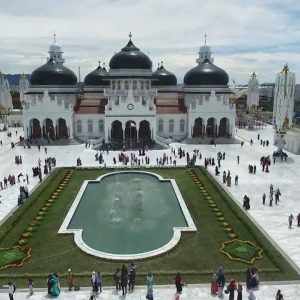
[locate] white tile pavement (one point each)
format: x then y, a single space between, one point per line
274 220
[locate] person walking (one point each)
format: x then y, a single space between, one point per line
279 296
149 281
298 220
11 290
239 292
30 286
117 279
178 282
238 160
264 198
230 289
291 218
70 277
99 282
132 276
220 281
124 279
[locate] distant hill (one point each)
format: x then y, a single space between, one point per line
14 79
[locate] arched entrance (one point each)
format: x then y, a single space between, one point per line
224 127
35 129
144 132
130 132
116 132
198 128
62 129
48 129
211 127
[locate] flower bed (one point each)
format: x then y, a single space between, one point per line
244 251
13 257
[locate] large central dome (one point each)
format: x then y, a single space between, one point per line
206 73
53 73
130 57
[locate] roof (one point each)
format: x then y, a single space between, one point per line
170 106
91 106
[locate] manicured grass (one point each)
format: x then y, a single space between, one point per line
197 256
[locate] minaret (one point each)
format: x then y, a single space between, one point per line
283 107
253 93
23 87
5 96
204 52
55 51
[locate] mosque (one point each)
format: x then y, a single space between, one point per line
127 102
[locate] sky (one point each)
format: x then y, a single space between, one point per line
245 36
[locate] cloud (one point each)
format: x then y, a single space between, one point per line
256 35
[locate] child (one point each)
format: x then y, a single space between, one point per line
30 286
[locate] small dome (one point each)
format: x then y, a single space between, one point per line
163 77
53 73
130 57
206 73
97 77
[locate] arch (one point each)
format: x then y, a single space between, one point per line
224 127
90 126
101 126
211 127
198 129
171 125
48 129
116 132
79 126
160 125
62 129
35 129
130 132
182 125
144 131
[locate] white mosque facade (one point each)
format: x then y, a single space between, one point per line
127 102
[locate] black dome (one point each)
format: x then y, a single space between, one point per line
96 77
206 73
130 57
164 77
53 73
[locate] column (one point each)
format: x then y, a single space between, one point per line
190 128
137 131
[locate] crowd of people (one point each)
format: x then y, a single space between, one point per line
218 284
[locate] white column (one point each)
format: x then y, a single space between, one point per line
190 127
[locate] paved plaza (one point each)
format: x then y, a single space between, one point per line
273 220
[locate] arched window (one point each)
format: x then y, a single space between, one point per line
90 126
171 125
79 126
126 85
101 126
182 125
160 125
119 85
134 85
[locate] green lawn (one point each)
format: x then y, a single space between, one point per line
197 256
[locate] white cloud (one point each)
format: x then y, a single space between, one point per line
246 36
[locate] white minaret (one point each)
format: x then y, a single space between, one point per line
253 93
204 53
55 51
283 108
5 96
23 87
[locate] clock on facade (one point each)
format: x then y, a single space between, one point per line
130 106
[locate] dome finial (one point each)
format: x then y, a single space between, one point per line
161 64
99 63
103 65
158 66
205 37
54 37
130 35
